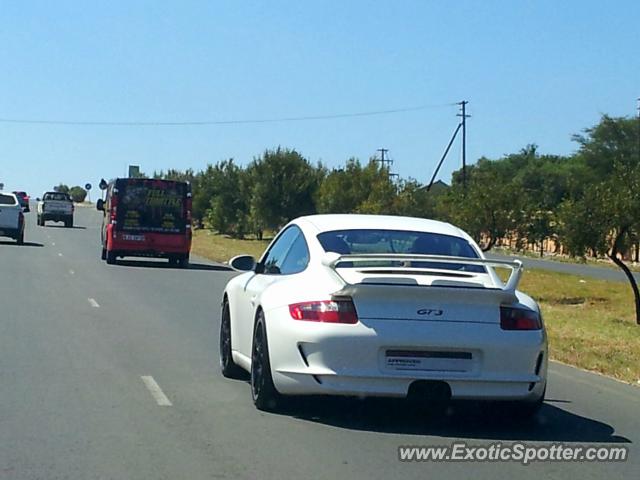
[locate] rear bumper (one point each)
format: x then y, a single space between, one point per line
153 245
312 358
11 232
300 384
56 217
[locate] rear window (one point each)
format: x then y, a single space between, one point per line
152 206
57 196
7 199
401 242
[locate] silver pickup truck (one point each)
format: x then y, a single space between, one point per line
56 207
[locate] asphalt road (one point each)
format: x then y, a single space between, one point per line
587 271
78 336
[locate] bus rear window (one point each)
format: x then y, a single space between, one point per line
152 206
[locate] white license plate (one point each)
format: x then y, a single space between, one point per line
429 361
133 238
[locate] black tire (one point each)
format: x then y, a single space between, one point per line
183 262
111 257
103 256
263 391
20 239
173 261
69 224
228 367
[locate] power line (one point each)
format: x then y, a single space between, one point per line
31 121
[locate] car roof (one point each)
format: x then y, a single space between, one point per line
331 222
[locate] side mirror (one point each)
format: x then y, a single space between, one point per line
100 205
242 263
37 199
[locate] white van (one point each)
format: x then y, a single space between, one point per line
11 217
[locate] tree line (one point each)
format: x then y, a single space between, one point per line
588 202
77 193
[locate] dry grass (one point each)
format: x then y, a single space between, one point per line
591 323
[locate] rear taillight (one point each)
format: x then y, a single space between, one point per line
326 311
519 319
188 206
113 209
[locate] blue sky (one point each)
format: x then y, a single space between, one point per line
533 72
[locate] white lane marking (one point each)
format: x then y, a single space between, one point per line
59 254
155 390
71 272
93 303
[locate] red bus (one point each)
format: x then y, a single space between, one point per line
146 218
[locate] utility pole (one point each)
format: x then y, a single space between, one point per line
383 152
386 162
463 114
638 109
639 129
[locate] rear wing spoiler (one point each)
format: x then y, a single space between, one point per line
331 260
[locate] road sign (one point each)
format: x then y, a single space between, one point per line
103 184
134 171
87 187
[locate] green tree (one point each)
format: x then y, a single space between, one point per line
487 210
283 186
604 215
77 194
358 189
204 188
413 200
343 189
229 207
62 188
540 186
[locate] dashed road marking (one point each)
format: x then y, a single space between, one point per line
93 303
155 390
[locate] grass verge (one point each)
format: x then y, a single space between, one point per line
221 248
590 322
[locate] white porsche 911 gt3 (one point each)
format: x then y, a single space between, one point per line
369 305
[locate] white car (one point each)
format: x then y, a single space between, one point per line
369 305
11 217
